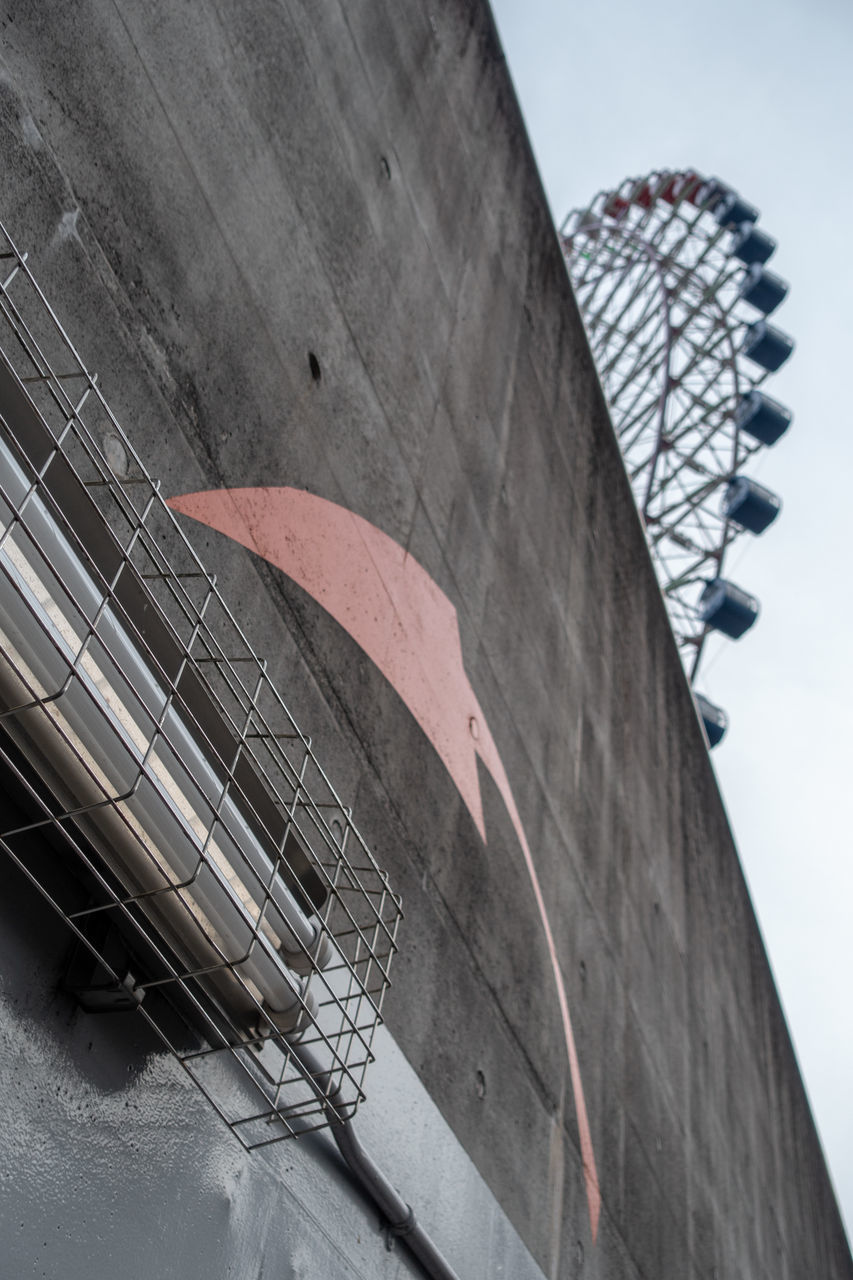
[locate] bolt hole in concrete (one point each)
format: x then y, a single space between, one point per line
314 366
473 727
386 168
481 1084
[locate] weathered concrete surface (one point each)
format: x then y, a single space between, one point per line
210 193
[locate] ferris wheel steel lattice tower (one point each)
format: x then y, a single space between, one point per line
669 273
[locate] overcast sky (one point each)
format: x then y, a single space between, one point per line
761 95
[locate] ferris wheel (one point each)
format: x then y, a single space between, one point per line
670 276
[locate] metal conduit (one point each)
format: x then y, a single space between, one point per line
401 1218
399 1215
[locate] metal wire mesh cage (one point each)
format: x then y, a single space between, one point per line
668 273
162 797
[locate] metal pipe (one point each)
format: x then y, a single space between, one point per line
399 1215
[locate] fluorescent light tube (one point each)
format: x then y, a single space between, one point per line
104 730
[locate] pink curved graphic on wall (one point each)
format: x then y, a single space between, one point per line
407 626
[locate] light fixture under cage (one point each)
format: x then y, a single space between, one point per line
165 801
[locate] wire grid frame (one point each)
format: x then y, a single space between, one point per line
659 292
218 884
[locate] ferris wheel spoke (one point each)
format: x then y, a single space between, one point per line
613 307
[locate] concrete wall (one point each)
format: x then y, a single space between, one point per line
209 193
